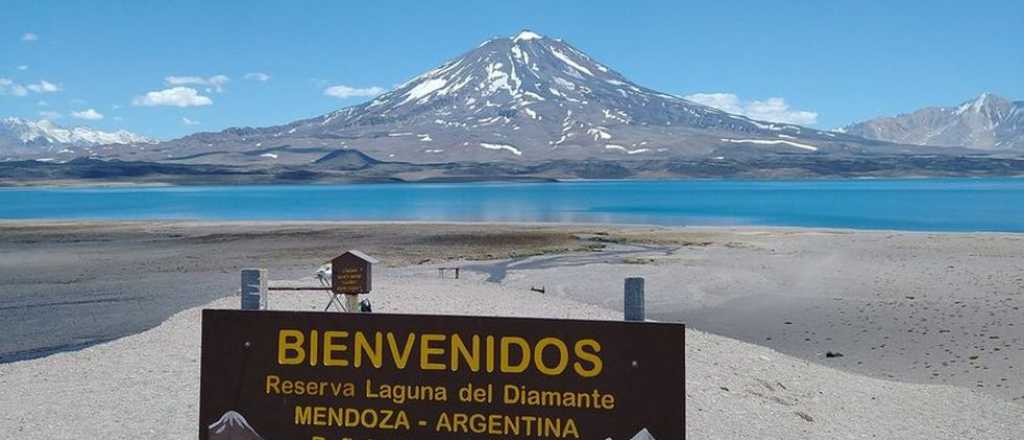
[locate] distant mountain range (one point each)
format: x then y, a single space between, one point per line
43 137
528 107
988 122
522 99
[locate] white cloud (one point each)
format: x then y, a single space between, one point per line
213 84
89 115
257 76
771 109
188 121
43 86
23 67
29 36
343 91
10 87
49 115
174 96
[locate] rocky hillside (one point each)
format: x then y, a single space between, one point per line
988 122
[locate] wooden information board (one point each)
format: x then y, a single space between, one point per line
352 273
324 376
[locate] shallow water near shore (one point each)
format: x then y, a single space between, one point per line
921 204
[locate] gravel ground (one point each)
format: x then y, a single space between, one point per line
68 284
147 385
915 307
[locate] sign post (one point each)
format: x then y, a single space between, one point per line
351 276
320 376
254 289
633 300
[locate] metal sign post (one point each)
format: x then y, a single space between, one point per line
634 299
254 289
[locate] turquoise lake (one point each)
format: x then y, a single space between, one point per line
926 204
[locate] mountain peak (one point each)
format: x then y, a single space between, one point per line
986 102
47 132
527 98
526 35
987 97
987 121
503 75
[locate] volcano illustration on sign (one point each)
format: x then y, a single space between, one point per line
232 426
643 435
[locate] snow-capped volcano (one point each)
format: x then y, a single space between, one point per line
523 98
511 81
532 97
987 122
43 136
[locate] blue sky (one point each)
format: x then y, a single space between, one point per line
830 62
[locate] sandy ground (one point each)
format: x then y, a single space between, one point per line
918 307
146 385
929 310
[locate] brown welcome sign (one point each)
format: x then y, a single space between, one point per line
351 273
323 376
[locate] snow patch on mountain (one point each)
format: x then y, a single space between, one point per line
599 133
565 58
505 147
626 150
771 142
526 36
423 89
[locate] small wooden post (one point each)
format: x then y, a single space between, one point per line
634 299
352 303
254 289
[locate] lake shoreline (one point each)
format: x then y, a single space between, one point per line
367 170
104 184
105 280
147 385
199 222
949 205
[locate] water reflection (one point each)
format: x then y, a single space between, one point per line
926 204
